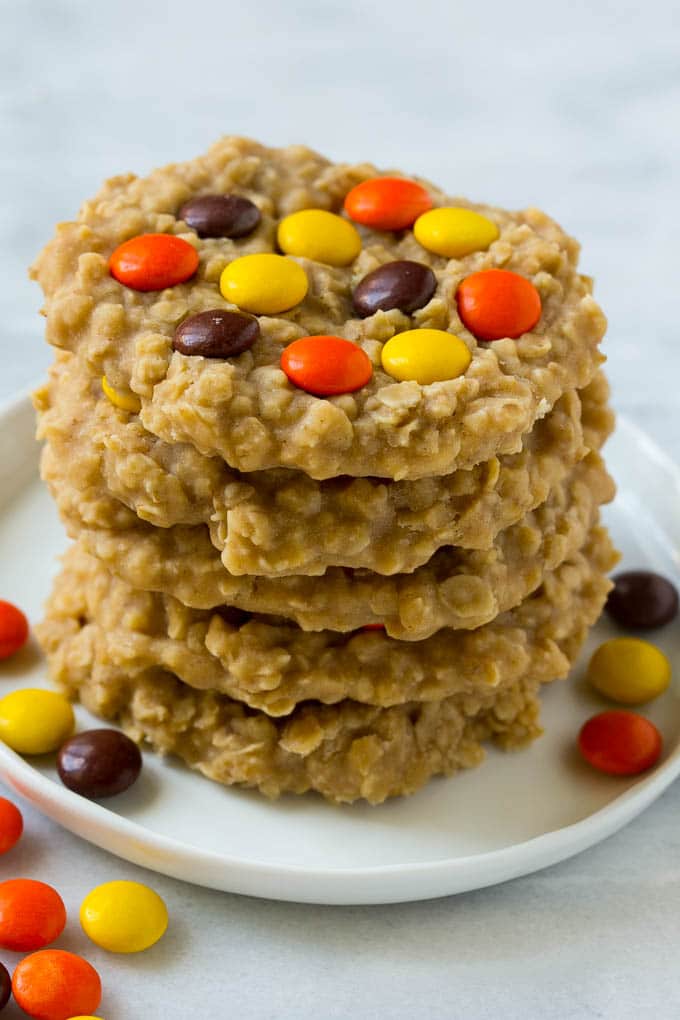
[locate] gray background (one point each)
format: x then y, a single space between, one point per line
574 108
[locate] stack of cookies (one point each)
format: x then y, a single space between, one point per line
327 442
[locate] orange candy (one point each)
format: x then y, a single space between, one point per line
387 203
620 743
326 365
32 915
11 825
55 985
496 303
13 629
153 261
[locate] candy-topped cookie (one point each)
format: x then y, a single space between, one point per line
273 309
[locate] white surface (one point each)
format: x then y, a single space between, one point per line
453 836
571 107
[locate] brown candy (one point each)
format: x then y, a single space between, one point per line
5 986
221 215
216 334
403 284
99 763
642 600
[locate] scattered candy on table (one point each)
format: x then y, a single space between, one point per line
34 721
55 985
32 914
5 986
11 825
641 599
426 356
620 743
387 203
13 629
319 235
125 401
629 670
99 763
265 284
454 233
124 917
326 365
153 262
403 284
221 215
216 333
496 303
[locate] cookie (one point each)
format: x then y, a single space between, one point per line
457 588
117 295
347 750
282 522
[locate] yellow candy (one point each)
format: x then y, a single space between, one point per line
126 401
319 235
34 721
123 917
629 670
426 355
454 232
264 284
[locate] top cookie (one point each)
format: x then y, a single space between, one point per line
488 318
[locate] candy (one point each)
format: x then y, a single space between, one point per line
265 284
56 985
642 599
125 401
124 917
425 355
620 743
629 670
319 235
221 215
496 303
5 986
387 203
13 629
153 262
216 334
403 284
326 365
11 825
454 232
32 915
99 763
34 721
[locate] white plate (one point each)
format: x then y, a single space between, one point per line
515 814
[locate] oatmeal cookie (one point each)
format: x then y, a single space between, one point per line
347 750
271 664
457 588
244 407
279 522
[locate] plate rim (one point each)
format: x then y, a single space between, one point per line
348 885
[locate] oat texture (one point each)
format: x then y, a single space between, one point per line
282 522
244 410
143 659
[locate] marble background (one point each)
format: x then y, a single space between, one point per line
574 108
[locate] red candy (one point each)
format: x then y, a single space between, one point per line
153 261
55 985
32 914
620 743
326 365
387 203
496 303
11 825
13 629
